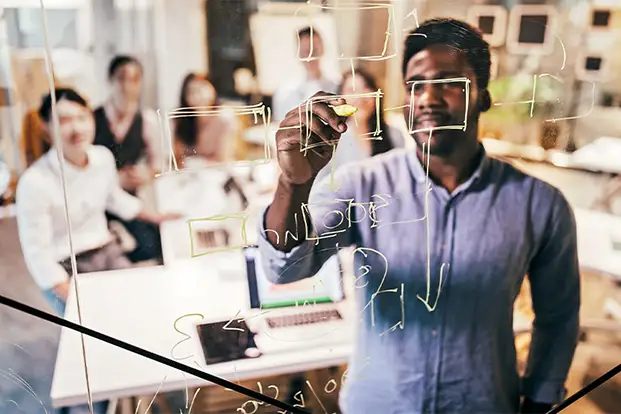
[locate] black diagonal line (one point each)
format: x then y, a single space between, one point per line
585 390
147 354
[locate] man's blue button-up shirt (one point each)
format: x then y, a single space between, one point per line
437 275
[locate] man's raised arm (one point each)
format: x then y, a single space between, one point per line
299 168
287 225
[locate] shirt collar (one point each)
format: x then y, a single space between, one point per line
52 157
420 171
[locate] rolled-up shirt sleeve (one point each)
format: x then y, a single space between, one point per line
555 288
34 224
327 221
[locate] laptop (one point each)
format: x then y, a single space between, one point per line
301 314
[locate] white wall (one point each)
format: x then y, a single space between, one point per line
181 39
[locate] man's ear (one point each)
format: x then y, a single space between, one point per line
485 100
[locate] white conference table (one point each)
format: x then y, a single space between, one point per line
597 235
198 194
599 250
140 306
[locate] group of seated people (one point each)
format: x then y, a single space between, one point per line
106 156
112 151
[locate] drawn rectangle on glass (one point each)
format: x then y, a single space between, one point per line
305 109
247 116
461 125
386 7
217 234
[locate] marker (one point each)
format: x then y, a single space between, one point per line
345 110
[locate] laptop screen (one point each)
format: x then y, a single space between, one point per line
325 286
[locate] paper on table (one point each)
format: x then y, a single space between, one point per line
602 154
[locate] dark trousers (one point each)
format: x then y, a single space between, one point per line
147 236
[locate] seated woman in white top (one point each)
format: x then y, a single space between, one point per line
92 187
367 133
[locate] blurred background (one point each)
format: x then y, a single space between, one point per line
556 88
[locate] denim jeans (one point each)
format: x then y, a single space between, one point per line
57 304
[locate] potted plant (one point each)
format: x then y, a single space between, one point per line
513 117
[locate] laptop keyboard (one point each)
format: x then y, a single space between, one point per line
305 318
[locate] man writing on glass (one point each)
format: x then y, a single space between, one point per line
449 235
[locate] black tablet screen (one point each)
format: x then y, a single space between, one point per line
225 341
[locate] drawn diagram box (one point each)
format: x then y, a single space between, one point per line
305 110
417 85
385 49
197 194
217 234
247 116
275 45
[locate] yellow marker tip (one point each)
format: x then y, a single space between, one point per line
345 110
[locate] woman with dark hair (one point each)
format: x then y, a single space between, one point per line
126 129
130 133
367 134
209 137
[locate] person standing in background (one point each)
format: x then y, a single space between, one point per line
130 133
367 133
292 94
209 137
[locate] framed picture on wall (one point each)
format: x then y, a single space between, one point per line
491 20
591 66
600 18
531 29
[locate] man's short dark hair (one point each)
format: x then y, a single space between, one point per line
119 61
306 31
454 33
68 94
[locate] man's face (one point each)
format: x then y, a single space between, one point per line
127 83
440 104
314 50
77 127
